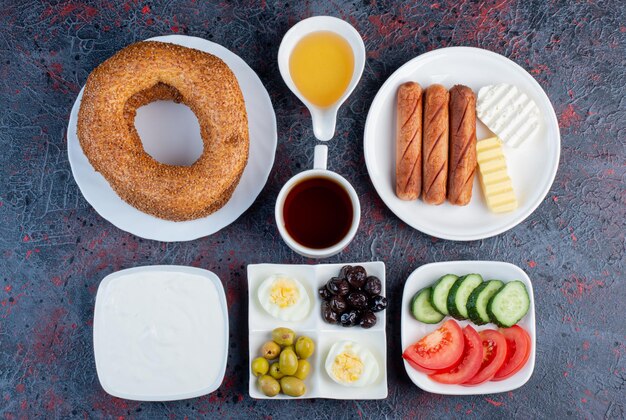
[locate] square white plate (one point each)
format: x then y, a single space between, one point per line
413 330
319 384
160 333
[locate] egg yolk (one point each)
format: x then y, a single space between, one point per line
284 293
347 367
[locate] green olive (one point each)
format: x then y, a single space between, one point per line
304 368
275 371
260 366
269 386
288 362
304 347
270 350
293 387
283 336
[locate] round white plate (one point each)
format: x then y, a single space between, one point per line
532 166
263 138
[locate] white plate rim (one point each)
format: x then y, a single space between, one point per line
442 389
191 229
320 395
209 275
415 223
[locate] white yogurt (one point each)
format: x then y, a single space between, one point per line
159 335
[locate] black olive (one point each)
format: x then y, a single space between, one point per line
328 315
373 286
350 318
368 319
356 277
324 293
338 286
344 271
338 304
357 300
378 303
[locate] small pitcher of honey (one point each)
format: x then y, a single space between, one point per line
321 60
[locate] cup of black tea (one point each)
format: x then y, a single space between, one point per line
317 211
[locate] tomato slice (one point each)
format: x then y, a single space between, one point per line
470 362
494 353
438 350
415 365
518 345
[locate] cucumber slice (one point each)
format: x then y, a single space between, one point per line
509 305
439 296
460 292
478 300
422 310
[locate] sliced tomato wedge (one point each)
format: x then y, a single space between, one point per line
494 353
518 345
441 349
470 362
416 366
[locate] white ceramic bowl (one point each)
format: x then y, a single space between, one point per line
153 329
413 330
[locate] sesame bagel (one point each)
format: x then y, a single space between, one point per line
145 72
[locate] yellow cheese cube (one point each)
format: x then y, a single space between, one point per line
494 178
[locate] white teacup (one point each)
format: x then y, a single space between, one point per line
319 171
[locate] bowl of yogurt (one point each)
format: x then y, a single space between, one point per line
160 333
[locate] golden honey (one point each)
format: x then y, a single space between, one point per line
321 66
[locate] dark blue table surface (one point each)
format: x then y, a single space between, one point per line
55 249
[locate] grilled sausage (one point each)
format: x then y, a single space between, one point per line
462 145
435 147
409 141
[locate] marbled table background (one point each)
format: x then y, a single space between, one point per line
55 248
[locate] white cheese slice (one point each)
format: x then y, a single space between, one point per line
509 113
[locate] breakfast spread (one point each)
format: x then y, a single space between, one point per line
408 144
145 72
284 298
469 297
158 325
462 356
350 364
509 113
321 66
352 298
494 178
289 366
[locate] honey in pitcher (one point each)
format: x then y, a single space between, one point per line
321 66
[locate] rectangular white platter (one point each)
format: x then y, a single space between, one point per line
319 384
413 330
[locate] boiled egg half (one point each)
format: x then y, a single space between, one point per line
350 364
284 298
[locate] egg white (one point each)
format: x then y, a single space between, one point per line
296 312
371 369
